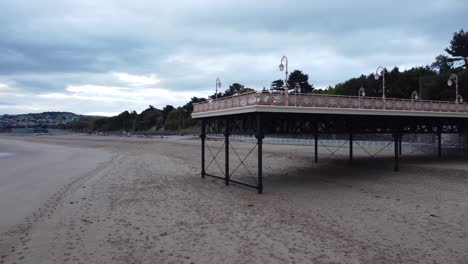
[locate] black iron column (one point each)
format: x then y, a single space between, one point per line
350 147
203 138
226 144
396 138
259 135
399 144
316 146
439 142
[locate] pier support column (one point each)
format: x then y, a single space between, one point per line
259 136
396 138
226 156
350 148
203 138
399 144
439 142
316 146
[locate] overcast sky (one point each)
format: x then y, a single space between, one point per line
104 57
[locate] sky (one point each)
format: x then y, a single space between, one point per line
102 57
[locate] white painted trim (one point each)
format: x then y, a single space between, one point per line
325 110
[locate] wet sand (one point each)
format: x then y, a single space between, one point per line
130 200
32 172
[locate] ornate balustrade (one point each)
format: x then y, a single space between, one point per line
331 101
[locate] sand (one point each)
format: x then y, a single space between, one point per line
89 199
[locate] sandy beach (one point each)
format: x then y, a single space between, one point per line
90 199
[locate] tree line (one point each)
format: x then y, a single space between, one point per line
151 119
430 82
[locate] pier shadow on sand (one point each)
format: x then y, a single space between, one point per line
339 173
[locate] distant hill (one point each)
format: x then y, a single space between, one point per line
46 119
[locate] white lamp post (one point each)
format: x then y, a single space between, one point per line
281 68
449 82
414 96
381 72
218 85
297 89
361 93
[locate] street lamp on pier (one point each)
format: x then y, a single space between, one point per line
381 72
218 85
361 93
414 97
281 68
458 98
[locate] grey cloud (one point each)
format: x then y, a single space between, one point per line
47 45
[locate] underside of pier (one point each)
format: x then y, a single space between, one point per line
313 125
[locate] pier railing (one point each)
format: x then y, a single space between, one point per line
330 101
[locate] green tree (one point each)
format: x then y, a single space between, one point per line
329 90
151 118
459 47
124 121
101 124
351 86
178 119
235 88
277 85
297 77
166 110
219 95
442 64
189 106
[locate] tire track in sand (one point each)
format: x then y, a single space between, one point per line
14 243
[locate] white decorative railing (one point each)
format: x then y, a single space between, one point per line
331 101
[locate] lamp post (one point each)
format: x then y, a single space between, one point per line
218 85
281 68
361 93
414 96
449 82
297 89
381 72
